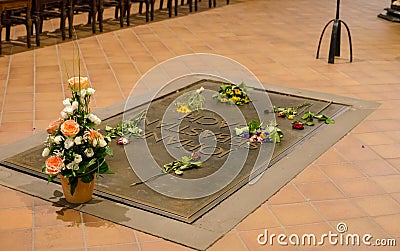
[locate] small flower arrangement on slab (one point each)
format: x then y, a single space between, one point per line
74 148
191 101
186 163
233 94
126 130
255 131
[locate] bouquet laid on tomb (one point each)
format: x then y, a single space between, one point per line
255 131
233 94
191 101
186 163
74 148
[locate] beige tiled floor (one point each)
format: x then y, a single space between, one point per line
356 181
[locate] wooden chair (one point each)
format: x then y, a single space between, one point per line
7 10
121 6
149 5
53 8
95 9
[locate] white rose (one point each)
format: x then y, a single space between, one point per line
66 102
89 152
77 158
68 143
75 105
90 91
58 139
94 119
46 152
102 143
78 140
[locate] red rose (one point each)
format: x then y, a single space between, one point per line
298 126
281 115
54 164
70 128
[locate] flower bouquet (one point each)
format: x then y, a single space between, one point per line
233 94
256 132
74 148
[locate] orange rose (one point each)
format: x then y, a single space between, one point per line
54 164
78 83
54 126
70 128
95 138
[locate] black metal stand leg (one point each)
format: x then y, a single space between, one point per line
320 38
350 43
334 39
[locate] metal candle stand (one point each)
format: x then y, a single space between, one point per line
334 48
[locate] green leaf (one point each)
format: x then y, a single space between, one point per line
73 182
178 172
109 128
330 121
253 126
309 123
308 115
87 178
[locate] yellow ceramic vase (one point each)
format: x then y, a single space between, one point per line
83 191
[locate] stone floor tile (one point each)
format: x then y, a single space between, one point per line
341 171
311 174
289 193
230 241
50 215
16 218
16 239
320 191
389 183
106 233
340 209
51 238
288 214
359 187
390 224
259 219
378 205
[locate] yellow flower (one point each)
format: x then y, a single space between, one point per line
229 91
224 100
290 117
183 109
237 91
235 99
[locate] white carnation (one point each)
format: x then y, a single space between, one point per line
66 102
75 105
83 93
72 166
68 143
102 143
78 140
90 91
77 158
58 139
68 109
64 115
89 152
94 119
46 152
